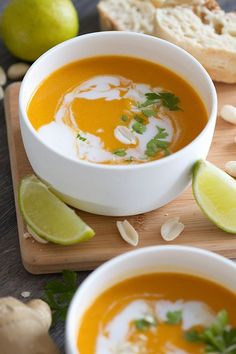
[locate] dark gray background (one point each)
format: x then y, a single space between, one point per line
13 278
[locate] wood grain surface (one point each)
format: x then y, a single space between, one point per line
13 277
107 243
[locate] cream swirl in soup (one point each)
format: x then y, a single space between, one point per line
134 129
125 333
116 110
160 313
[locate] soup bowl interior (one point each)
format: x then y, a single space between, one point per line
157 259
90 186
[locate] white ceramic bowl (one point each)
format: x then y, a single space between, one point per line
109 189
178 259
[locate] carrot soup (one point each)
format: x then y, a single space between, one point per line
162 313
116 110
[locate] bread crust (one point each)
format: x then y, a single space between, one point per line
127 15
210 4
107 23
219 59
220 66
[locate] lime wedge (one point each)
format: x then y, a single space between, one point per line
215 193
48 216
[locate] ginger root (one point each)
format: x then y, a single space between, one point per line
24 327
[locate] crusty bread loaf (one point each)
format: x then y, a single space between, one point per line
135 15
210 4
127 15
198 26
205 31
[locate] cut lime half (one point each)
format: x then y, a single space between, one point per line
215 192
48 216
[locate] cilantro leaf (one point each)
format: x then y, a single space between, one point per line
139 127
58 294
230 340
152 96
148 112
145 323
80 137
218 338
124 118
138 118
174 317
162 133
70 278
156 144
167 99
214 343
120 152
170 101
166 152
147 103
192 336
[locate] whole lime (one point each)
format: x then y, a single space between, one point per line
30 27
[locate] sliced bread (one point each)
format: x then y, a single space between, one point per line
136 15
127 15
205 31
210 4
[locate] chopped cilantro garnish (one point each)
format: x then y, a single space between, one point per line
124 118
146 103
167 99
80 137
218 338
166 152
192 336
170 101
139 127
148 112
152 96
120 152
174 317
156 144
162 133
145 323
138 118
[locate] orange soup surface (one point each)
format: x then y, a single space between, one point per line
162 313
116 110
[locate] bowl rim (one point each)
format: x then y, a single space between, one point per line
211 116
105 267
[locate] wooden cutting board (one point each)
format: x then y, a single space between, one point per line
199 231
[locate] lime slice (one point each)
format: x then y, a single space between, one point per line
48 216
215 193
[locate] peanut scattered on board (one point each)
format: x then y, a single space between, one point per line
228 113
128 232
3 76
1 93
17 71
230 168
171 229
